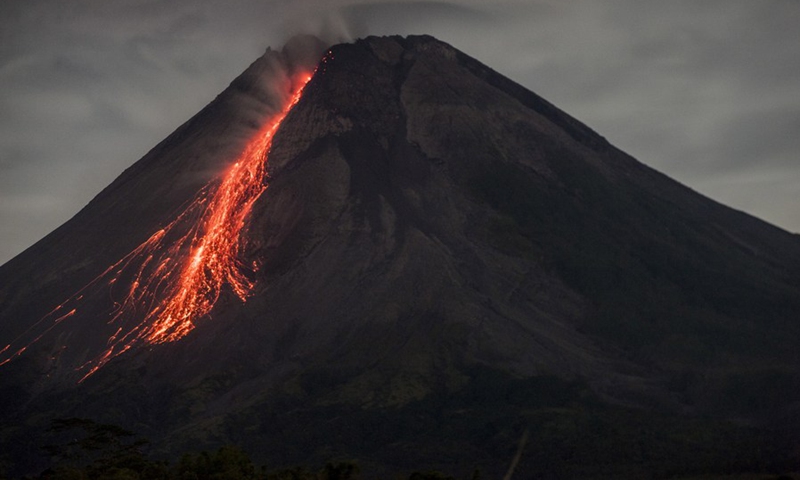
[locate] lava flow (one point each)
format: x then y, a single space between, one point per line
176 276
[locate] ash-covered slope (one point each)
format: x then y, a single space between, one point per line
442 251
413 183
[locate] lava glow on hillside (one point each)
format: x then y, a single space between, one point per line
176 276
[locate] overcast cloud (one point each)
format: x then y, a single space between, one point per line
706 91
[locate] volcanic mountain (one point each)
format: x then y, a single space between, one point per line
388 251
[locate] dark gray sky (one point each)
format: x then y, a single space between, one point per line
706 91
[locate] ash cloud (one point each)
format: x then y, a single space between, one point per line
330 26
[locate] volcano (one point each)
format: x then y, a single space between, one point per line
387 251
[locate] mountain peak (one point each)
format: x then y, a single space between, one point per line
425 229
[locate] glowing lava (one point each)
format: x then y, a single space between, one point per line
176 276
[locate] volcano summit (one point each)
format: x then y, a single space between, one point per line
424 261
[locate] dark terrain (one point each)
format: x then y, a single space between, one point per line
449 261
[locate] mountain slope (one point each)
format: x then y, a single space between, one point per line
434 240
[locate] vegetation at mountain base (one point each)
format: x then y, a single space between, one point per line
90 450
571 434
87 450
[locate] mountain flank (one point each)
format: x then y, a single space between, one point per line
446 261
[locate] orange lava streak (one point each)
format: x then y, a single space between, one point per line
214 252
214 244
177 275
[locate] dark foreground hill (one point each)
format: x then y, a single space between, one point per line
446 261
